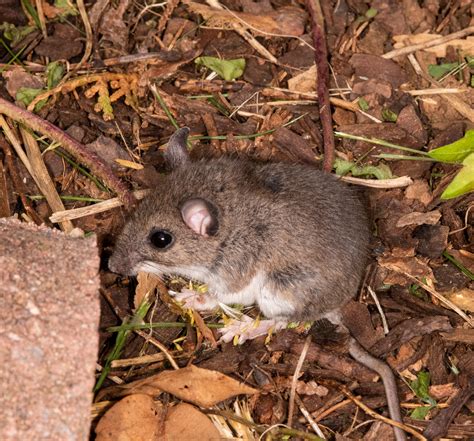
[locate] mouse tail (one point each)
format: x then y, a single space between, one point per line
388 378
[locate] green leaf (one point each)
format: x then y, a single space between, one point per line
438 71
227 69
389 116
54 73
363 104
463 182
371 13
420 413
381 171
421 388
15 33
27 94
456 151
66 7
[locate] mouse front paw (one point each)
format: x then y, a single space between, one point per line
191 299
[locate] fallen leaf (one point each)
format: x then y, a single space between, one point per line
440 391
416 218
202 387
16 79
227 69
410 265
204 329
420 191
286 20
185 422
304 82
463 298
133 418
147 284
311 388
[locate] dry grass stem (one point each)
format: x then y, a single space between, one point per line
436 42
100 207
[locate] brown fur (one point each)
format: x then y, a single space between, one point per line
304 230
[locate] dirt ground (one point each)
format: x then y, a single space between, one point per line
110 82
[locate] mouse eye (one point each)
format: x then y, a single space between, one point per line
160 239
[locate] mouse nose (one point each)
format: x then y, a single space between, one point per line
113 263
124 262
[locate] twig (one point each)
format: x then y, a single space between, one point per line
321 59
4 199
246 35
437 295
89 36
17 182
379 308
294 381
79 151
307 415
435 42
433 91
39 9
45 182
100 207
144 359
466 216
403 181
161 347
377 416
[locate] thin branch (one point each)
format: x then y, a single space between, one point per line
321 59
435 42
78 150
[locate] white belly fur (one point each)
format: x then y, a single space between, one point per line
271 305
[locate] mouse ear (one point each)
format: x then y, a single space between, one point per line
200 216
176 153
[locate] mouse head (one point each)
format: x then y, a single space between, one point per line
175 230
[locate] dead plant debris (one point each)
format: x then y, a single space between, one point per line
91 92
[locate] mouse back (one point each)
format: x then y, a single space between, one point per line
286 230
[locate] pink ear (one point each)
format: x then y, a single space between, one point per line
197 216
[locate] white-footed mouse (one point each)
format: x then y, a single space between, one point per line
290 238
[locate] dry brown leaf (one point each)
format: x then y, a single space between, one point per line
311 388
17 78
204 329
185 422
417 218
50 11
420 191
463 298
304 82
410 265
202 387
285 21
440 391
147 284
464 45
134 418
